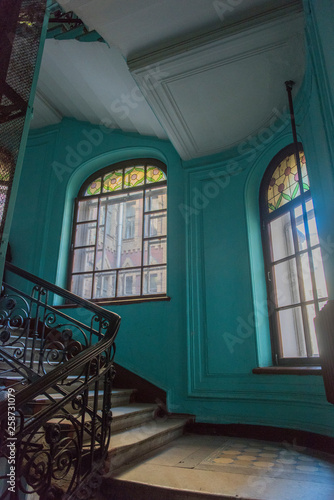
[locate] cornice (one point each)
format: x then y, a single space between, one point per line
183 45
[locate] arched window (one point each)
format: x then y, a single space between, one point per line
119 242
296 285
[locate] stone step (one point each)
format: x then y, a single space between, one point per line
131 415
131 444
118 398
139 490
124 418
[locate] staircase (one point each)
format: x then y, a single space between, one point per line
72 428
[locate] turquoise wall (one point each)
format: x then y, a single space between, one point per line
202 345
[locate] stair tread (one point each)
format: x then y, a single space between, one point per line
120 411
143 432
115 392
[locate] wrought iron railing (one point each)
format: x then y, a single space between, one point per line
56 374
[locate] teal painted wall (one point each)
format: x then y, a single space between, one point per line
202 345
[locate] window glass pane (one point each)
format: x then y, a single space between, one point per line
82 285
113 181
322 304
300 228
155 280
319 274
314 238
281 237
104 285
129 282
154 174
306 274
94 187
155 199
286 283
155 225
134 176
284 186
130 220
292 333
306 182
310 318
85 234
112 223
120 232
155 251
87 210
83 260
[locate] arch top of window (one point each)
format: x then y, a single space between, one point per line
282 183
124 176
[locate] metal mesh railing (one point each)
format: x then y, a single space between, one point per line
21 25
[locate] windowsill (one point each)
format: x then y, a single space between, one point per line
288 370
119 302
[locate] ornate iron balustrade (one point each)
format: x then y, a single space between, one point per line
56 374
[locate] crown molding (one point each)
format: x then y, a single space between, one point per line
182 45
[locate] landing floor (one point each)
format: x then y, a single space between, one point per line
236 467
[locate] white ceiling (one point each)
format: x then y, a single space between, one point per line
204 74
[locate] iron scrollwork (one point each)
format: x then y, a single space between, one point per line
62 371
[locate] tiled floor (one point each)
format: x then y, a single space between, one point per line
239 468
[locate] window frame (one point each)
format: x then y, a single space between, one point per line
265 219
142 188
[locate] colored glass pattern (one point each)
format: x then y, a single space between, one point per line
134 176
127 178
284 185
113 181
154 174
94 188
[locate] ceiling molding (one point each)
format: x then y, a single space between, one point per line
46 102
182 45
169 84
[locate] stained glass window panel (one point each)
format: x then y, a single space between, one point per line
134 176
154 174
284 186
120 230
306 182
93 188
113 181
